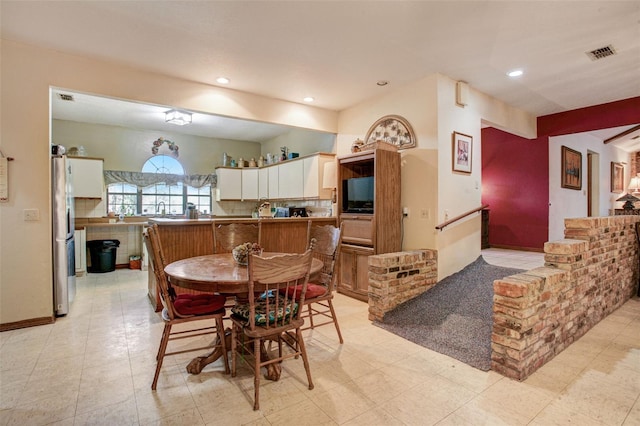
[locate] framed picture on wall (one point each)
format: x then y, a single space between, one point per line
571 168
617 177
462 151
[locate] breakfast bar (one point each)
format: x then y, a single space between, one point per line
184 238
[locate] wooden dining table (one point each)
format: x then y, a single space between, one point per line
218 273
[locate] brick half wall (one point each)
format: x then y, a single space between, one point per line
538 313
395 278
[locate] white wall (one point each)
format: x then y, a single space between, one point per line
571 203
301 141
428 182
28 73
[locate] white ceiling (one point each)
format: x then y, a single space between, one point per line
336 51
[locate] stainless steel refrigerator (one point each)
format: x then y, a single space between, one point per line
64 258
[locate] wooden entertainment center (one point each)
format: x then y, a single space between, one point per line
366 234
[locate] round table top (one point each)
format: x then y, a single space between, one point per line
217 273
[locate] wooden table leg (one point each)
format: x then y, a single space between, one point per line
198 363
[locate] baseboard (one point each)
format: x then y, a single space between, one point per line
537 250
26 323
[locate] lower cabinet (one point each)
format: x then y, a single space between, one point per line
354 271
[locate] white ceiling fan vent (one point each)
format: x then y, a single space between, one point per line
602 52
65 97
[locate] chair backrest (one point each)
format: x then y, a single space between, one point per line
228 236
275 283
325 244
156 256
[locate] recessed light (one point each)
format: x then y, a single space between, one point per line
223 80
382 83
515 73
308 99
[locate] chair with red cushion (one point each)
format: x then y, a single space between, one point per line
184 308
271 314
325 245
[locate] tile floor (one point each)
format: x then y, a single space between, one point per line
95 366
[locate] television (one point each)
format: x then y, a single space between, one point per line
357 195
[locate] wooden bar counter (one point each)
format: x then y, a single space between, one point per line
183 238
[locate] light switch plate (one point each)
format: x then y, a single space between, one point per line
31 215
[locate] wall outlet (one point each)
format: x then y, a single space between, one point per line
424 214
31 215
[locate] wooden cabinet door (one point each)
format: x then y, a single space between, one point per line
354 271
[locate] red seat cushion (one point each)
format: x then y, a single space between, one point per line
313 290
199 304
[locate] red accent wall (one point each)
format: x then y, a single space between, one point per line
515 184
515 171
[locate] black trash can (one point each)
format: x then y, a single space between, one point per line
103 255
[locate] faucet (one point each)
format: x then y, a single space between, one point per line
164 207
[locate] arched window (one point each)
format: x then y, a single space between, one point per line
154 196
158 198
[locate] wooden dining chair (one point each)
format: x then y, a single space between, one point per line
324 242
271 315
182 309
228 236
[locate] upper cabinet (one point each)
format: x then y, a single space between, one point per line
87 177
313 169
229 184
295 179
291 184
250 186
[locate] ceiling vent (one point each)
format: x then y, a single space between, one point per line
65 97
603 52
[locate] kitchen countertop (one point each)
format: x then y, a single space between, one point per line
167 221
91 222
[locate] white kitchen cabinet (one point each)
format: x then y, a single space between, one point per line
263 183
80 237
250 184
229 184
87 177
274 182
313 176
291 183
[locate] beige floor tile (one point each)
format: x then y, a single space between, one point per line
49 409
485 411
101 394
304 413
155 405
190 417
633 417
343 403
123 413
563 413
375 416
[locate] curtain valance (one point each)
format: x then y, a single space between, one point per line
142 180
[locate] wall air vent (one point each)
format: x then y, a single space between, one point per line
65 97
603 52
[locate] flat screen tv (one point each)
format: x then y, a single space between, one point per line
357 195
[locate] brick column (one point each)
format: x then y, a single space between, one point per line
395 278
